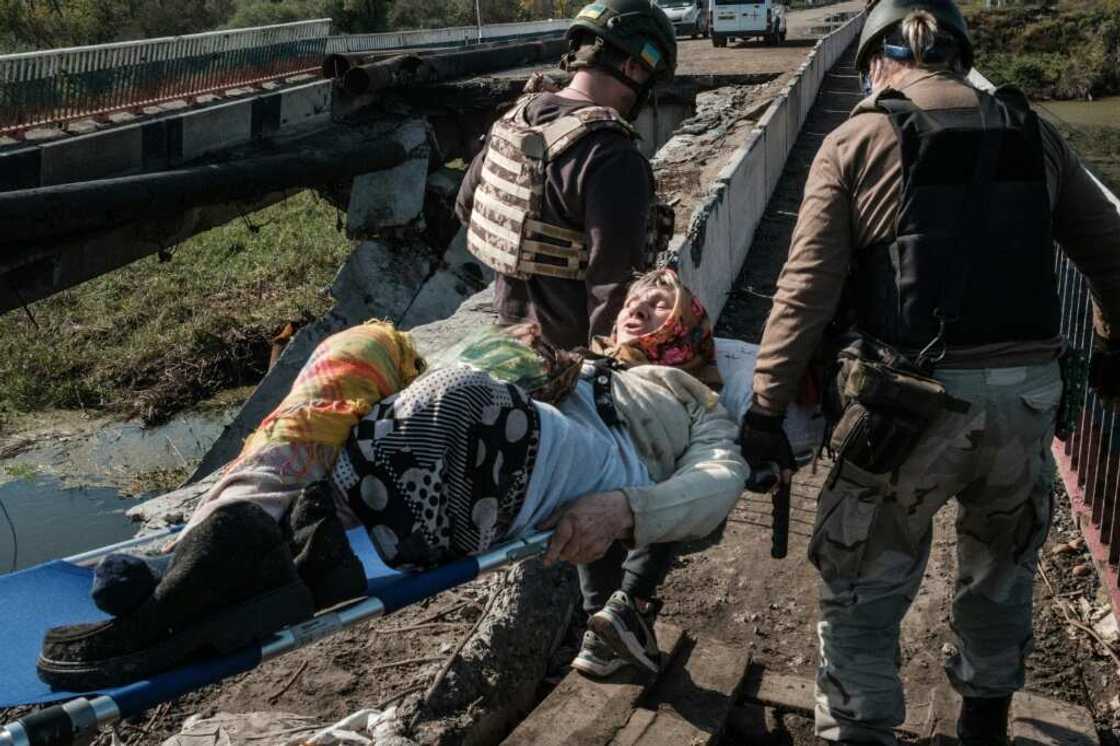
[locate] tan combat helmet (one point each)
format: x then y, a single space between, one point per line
885 15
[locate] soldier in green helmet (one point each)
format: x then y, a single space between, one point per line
560 203
923 259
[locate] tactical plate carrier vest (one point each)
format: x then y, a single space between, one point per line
973 244
506 232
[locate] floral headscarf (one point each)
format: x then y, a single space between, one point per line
684 341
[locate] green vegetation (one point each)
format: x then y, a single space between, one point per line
21 471
1099 148
154 337
43 24
1052 51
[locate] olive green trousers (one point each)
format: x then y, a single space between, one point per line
872 539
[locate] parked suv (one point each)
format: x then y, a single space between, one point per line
688 16
744 19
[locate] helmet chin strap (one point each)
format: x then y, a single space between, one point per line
641 90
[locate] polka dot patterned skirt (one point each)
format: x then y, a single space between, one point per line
440 470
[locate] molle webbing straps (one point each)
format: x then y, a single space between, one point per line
971 261
506 232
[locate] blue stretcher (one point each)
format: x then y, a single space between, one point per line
57 593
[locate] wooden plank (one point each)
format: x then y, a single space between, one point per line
796 694
670 729
695 695
793 693
636 727
1040 721
585 712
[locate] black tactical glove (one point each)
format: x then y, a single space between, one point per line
1104 369
763 440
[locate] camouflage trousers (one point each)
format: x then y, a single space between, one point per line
872 540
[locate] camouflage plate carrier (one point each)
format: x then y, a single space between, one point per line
506 232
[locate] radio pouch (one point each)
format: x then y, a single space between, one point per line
886 410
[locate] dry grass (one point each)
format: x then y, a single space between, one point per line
155 337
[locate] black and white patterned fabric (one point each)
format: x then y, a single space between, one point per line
440 470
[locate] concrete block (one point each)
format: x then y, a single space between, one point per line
82 127
43 134
706 253
176 105
270 85
7 142
793 110
112 152
387 199
774 123
205 99
379 280
306 104
301 78
239 91
748 172
151 111
216 128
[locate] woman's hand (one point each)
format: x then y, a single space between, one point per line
586 528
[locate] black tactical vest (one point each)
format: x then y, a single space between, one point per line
973 243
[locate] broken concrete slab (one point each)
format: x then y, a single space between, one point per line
493 683
459 277
394 197
387 199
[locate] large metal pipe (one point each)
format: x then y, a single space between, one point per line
46 214
336 65
412 69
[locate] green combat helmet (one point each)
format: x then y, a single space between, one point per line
637 27
885 14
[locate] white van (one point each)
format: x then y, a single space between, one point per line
743 19
688 16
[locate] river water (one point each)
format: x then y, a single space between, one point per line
68 492
1102 112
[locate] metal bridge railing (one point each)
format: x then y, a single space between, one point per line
442 37
1089 460
38 88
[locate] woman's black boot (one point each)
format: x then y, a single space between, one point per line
321 551
231 582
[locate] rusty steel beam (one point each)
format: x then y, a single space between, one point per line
36 219
407 70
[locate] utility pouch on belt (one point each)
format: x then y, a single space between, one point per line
886 411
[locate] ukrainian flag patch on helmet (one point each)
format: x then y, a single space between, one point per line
592 11
651 55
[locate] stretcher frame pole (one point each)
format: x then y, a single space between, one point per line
76 723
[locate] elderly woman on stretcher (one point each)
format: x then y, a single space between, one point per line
500 436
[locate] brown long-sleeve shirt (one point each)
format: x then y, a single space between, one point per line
602 186
851 202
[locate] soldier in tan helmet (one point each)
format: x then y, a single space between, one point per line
929 220
559 201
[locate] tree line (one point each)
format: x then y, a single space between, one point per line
45 24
